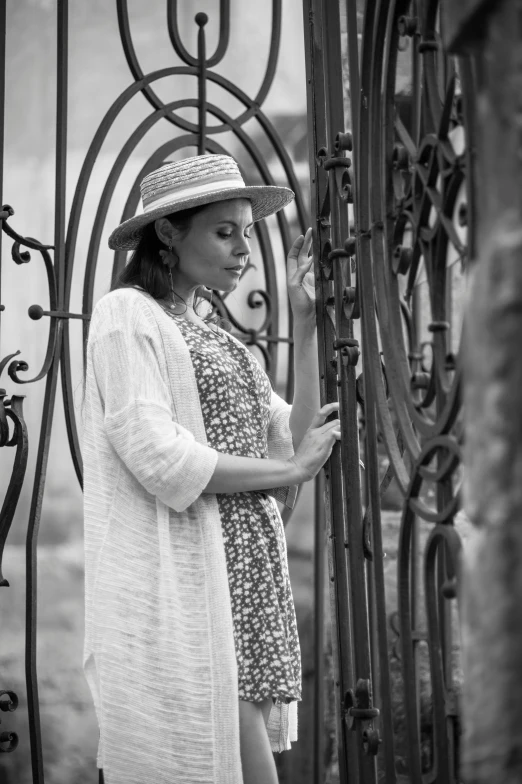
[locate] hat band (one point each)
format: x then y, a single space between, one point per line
171 197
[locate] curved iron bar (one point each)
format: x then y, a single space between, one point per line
378 252
90 159
254 105
117 168
20 365
100 136
155 101
111 116
408 633
442 516
447 465
443 538
177 43
12 409
68 401
91 156
408 411
19 257
231 124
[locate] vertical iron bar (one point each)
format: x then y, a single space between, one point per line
416 131
415 547
349 423
49 402
333 501
319 576
31 675
349 443
367 201
61 146
201 20
442 727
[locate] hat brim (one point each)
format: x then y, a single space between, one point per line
265 199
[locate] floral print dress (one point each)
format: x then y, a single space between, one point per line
235 395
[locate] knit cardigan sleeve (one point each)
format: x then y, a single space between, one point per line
126 355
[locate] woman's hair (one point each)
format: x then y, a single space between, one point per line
145 268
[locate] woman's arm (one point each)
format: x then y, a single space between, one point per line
125 372
306 379
234 474
306 369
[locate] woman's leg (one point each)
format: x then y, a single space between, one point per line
256 755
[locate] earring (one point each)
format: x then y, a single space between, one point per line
169 257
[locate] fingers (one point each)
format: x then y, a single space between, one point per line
334 426
301 245
320 418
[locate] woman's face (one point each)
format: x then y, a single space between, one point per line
215 250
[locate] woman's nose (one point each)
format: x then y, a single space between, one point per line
243 248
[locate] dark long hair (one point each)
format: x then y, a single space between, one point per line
145 268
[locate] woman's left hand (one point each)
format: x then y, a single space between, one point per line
300 291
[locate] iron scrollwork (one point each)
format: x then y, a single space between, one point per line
8 702
411 182
11 410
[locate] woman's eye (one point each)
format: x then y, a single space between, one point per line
224 235
248 236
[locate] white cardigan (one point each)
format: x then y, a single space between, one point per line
159 649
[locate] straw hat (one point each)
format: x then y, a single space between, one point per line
201 179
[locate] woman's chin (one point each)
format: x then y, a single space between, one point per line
230 286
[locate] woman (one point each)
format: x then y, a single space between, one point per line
191 648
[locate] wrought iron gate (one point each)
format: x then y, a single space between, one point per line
391 246
259 151
391 243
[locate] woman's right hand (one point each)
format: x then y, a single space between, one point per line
317 444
